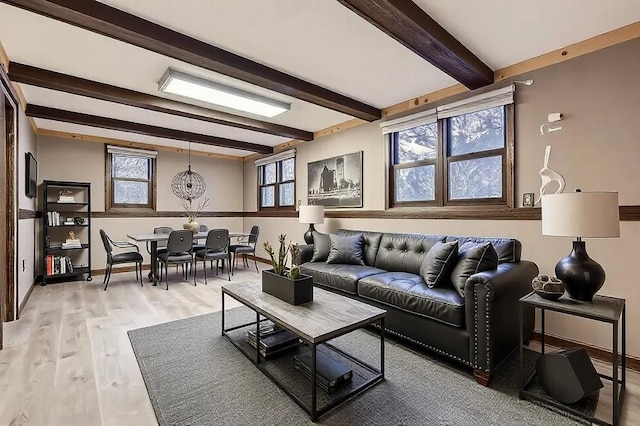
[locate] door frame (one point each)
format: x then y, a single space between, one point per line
9 311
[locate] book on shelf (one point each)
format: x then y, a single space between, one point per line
330 374
273 341
58 265
66 199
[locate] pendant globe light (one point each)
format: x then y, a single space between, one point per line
188 185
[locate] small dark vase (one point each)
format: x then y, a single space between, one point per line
294 292
581 275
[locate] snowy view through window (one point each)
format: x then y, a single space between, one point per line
475 170
130 177
282 175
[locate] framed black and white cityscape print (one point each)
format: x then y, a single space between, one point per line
336 181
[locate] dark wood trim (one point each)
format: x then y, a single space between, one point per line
133 213
28 295
39 77
272 213
120 25
47 113
627 213
109 187
597 353
29 214
408 24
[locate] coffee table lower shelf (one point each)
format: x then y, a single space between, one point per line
281 370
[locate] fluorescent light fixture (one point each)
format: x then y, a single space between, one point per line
181 84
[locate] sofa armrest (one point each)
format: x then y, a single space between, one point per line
306 253
493 312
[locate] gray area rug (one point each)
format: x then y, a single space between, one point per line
194 376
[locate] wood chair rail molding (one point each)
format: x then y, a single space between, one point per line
627 214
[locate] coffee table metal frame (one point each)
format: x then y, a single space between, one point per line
312 410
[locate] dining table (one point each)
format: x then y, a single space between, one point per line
153 239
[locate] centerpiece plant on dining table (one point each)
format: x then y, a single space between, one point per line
192 214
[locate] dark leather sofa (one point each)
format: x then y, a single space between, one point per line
478 330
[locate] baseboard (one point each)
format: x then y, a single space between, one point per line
146 267
259 259
26 297
597 353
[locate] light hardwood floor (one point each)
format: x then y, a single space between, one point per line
68 360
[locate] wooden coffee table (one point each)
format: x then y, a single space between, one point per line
329 316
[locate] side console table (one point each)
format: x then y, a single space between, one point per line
607 309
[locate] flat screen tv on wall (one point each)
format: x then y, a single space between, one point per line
31 175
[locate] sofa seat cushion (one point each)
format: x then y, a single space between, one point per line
410 293
338 276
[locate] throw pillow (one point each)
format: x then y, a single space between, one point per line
471 260
321 247
346 250
437 265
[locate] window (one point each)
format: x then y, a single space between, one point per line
130 178
456 156
276 181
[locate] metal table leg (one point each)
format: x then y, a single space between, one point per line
153 274
314 402
614 405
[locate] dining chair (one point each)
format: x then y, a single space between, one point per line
245 249
197 246
162 244
216 248
178 252
119 258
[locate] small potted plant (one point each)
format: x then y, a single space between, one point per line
286 283
192 214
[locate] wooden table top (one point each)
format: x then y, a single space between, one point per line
328 316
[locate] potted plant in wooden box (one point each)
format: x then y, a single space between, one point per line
285 283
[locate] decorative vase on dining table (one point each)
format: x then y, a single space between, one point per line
193 226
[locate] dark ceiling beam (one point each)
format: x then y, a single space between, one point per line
411 26
33 76
47 113
111 22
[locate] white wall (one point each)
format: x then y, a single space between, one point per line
27 255
72 160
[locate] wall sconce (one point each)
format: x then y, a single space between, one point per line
549 127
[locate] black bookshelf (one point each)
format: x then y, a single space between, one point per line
66 208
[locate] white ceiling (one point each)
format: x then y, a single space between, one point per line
318 40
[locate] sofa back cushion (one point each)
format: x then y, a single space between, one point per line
346 249
371 243
508 249
404 252
321 247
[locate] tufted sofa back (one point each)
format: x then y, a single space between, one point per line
508 249
404 252
371 243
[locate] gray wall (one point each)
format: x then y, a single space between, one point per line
598 149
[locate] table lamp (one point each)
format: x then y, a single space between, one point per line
311 215
581 215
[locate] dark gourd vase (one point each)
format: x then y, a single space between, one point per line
581 275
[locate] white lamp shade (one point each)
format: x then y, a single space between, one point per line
581 214
311 214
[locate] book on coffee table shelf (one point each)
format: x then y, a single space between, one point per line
273 340
330 374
